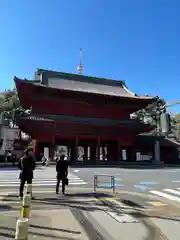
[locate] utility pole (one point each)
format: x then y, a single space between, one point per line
161 111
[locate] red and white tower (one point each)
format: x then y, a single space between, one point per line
80 66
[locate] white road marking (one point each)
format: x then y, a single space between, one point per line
41 178
43 184
172 191
165 195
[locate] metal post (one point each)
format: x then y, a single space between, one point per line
95 183
158 133
113 180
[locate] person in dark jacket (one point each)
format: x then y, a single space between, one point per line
27 166
62 173
14 158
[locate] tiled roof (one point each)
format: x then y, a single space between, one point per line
87 87
78 120
165 141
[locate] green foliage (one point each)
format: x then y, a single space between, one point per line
9 103
9 100
149 114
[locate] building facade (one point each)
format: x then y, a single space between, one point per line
88 115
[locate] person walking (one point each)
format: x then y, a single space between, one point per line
62 172
27 165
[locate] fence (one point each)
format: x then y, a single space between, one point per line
104 181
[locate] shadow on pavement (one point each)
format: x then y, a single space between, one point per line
141 215
83 201
131 203
34 233
54 229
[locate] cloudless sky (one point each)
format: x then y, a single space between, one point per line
133 40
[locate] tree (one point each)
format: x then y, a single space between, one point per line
10 106
11 109
9 103
149 114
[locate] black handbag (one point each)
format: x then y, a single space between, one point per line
66 181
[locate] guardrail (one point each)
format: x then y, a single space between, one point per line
104 181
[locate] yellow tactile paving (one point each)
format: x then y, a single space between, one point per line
103 199
158 204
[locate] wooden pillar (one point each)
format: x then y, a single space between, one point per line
98 149
119 151
35 147
129 154
76 148
73 151
116 151
113 151
85 158
110 152
93 153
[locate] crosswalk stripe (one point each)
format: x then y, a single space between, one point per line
40 179
42 184
165 195
172 191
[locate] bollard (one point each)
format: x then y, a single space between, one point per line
26 206
22 229
29 189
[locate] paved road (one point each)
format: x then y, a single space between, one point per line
123 207
44 177
161 183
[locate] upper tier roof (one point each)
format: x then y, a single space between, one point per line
80 83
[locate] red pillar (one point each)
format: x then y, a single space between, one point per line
35 147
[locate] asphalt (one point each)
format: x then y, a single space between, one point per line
139 180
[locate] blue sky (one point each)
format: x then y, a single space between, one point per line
133 40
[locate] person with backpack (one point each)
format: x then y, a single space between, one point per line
27 166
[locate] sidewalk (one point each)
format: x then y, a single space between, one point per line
44 225
73 218
169 227
84 217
